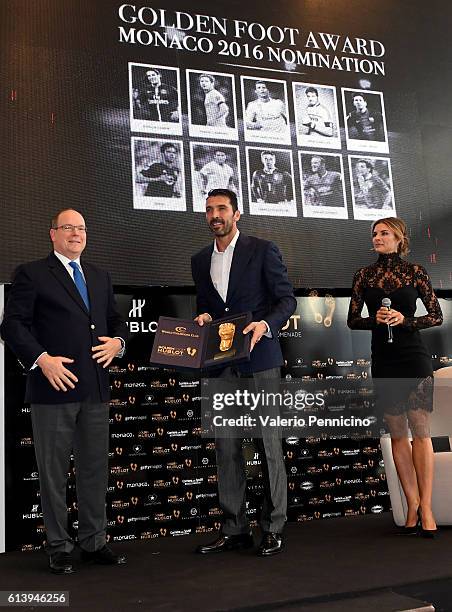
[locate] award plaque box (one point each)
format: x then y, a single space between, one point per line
182 343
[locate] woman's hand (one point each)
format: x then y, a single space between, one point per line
389 316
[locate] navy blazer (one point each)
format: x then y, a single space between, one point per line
258 282
45 312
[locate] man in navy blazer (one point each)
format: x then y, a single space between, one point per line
61 322
235 274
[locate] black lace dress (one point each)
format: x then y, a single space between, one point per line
406 359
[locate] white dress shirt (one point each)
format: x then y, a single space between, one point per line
66 261
220 266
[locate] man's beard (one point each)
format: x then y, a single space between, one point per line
223 230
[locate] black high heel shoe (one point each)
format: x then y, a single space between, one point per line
430 534
412 530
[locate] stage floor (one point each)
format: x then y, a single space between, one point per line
334 564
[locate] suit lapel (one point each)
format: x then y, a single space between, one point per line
242 254
62 276
90 279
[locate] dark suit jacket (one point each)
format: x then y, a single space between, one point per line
45 312
258 283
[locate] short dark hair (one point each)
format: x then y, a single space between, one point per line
231 195
367 162
168 145
312 90
267 152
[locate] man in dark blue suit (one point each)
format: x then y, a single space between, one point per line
61 322
236 274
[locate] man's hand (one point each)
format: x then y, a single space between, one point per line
258 329
58 376
203 318
107 351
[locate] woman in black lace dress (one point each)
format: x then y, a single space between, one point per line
409 400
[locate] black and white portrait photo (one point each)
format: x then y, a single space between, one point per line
214 166
271 182
265 110
158 174
212 105
372 187
155 101
316 116
323 186
365 120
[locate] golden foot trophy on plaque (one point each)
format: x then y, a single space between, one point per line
226 332
181 343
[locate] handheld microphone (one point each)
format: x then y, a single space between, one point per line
386 303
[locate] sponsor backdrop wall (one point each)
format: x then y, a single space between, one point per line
162 469
321 115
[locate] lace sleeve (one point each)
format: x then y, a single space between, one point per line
354 319
434 314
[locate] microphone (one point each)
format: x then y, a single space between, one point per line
386 303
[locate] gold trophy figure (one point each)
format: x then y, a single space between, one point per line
226 332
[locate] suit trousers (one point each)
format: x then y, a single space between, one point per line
232 476
59 429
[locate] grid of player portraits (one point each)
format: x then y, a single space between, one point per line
280 174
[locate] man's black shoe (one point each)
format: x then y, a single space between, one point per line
272 544
227 542
61 563
103 556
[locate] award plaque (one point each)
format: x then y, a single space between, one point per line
182 343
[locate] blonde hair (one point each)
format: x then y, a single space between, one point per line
400 232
